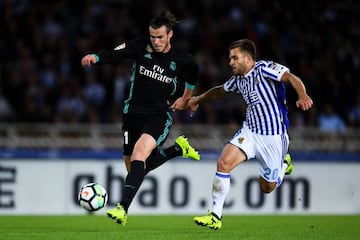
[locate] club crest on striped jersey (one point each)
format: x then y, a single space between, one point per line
275 67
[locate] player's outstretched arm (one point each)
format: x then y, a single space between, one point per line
304 102
210 95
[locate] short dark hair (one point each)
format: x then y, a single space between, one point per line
245 45
165 18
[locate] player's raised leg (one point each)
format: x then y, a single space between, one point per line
187 150
181 147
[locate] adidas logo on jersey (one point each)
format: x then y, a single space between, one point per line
148 56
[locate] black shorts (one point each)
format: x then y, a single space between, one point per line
155 124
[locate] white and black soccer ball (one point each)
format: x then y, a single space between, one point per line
92 196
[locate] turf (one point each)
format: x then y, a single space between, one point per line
179 227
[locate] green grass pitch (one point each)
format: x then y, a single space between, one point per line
92 227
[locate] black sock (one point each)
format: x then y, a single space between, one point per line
159 157
219 218
132 183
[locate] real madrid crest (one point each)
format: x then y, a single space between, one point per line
172 66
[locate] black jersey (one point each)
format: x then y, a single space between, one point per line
156 78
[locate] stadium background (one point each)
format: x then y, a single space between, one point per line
52 111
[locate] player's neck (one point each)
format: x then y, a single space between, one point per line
250 66
167 48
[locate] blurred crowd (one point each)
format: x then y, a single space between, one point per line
42 43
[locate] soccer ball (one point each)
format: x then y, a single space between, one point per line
92 196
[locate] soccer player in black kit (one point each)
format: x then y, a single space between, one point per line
157 73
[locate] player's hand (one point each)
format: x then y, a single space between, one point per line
88 60
304 103
179 104
193 105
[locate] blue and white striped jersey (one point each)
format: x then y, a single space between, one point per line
264 94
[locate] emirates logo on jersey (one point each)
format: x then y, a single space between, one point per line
156 73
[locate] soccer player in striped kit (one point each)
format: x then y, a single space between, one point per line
264 132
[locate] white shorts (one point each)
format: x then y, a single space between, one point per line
269 150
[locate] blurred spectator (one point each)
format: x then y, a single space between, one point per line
6 112
354 113
42 43
70 106
330 121
94 92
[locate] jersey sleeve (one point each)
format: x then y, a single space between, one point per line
274 70
191 74
231 85
124 51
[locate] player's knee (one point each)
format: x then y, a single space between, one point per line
223 165
267 187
